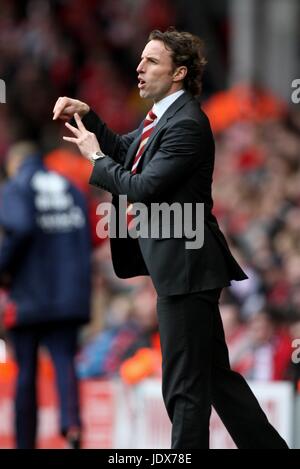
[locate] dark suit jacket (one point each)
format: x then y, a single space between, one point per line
176 166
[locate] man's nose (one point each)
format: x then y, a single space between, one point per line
140 67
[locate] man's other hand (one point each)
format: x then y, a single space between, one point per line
85 140
65 108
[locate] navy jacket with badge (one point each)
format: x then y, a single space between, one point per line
45 247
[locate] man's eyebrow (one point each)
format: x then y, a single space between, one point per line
150 57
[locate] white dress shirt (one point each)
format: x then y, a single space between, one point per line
161 106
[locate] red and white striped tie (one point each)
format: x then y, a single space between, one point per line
147 131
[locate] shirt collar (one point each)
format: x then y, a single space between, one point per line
161 106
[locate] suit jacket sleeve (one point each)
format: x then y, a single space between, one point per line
178 155
112 144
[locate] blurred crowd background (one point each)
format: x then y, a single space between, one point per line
89 49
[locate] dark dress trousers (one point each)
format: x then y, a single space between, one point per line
177 167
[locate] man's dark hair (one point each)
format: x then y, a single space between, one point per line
187 50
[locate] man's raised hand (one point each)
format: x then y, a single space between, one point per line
85 140
65 108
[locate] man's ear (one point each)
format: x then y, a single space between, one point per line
180 73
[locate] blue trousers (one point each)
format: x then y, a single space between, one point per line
61 341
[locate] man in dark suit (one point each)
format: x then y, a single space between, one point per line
170 159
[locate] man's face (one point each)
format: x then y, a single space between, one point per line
156 72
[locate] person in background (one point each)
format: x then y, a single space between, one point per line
144 361
268 353
259 349
45 263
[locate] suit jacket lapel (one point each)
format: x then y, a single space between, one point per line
133 148
178 104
